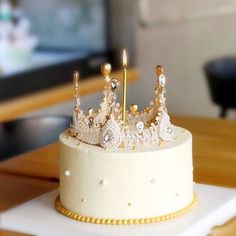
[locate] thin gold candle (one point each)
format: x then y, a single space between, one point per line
124 85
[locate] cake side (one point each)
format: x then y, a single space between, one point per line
149 181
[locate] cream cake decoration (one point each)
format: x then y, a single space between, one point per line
106 128
125 167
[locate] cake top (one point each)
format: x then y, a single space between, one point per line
112 126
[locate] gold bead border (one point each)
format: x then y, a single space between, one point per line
94 220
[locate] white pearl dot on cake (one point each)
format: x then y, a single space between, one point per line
103 182
176 194
153 181
129 203
83 200
67 173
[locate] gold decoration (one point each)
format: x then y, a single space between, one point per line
161 81
106 70
133 108
94 220
161 142
91 117
76 83
124 85
76 78
159 70
84 124
90 112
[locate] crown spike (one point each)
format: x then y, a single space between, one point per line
161 78
76 76
76 111
76 82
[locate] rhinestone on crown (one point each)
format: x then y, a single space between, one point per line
105 127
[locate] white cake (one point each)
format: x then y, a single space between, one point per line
132 173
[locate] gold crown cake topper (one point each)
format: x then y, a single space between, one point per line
112 126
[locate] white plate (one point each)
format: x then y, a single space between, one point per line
39 217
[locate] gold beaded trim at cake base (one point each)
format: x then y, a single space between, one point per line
94 220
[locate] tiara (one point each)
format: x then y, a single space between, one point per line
112 126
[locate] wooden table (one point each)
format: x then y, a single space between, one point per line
214 156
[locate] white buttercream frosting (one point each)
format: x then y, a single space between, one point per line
148 181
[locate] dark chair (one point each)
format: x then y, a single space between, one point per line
221 78
22 135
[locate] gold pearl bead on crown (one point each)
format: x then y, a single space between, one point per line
133 108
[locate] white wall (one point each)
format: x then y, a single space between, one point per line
183 48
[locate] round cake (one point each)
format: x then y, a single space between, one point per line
125 171
122 185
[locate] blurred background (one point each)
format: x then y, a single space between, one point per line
43 42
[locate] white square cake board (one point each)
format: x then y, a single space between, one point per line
39 217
